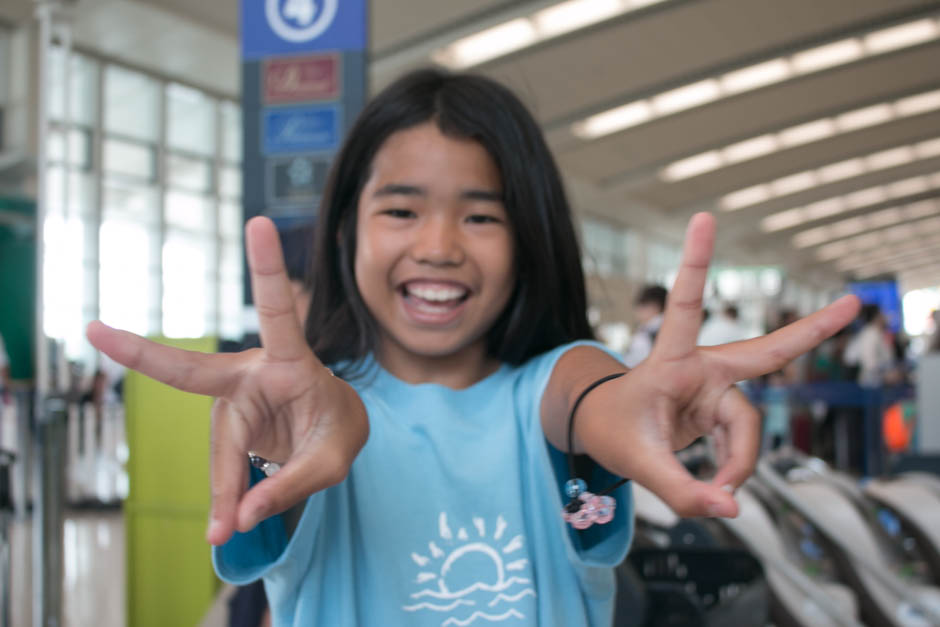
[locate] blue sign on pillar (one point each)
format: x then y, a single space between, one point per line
290 27
303 84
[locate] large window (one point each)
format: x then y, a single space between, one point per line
662 263
607 248
144 197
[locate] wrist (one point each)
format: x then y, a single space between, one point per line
589 409
587 506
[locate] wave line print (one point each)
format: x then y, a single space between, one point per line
436 608
513 598
437 594
476 615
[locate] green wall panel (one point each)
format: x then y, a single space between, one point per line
170 577
18 283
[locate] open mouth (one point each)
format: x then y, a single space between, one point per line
433 299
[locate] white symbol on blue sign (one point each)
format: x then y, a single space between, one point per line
300 129
300 172
298 21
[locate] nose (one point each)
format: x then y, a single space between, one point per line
438 242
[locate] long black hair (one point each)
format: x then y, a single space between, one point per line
548 304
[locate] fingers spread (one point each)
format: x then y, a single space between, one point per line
662 474
228 474
185 370
753 358
281 335
740 424
683 316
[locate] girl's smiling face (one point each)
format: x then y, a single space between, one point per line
434 254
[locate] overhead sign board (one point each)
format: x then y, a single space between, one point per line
295 181
304 65
277 27
301 79
309 129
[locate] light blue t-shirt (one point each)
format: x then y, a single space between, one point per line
450 515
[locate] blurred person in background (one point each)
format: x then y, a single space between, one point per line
776 406
650 305
871 351
828 360
934 345
787 316
722 328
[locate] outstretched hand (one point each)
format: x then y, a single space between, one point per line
278 401
633 425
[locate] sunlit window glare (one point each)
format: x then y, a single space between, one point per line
124 262
918 305
185 265
63 280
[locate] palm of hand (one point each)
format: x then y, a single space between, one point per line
681 406
278 401
682 392
274 405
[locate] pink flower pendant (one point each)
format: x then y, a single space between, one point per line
593 509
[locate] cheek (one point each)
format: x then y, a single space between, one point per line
502 263
362 262
371 264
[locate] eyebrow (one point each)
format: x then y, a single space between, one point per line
399 189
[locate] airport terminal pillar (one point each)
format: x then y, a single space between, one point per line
170 580
928 405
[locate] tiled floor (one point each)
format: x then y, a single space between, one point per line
93 540
93 570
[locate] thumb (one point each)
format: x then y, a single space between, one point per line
688 497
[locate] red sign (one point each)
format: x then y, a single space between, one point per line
300 79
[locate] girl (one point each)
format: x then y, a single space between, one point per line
425 483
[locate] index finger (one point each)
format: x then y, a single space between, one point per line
281 336
185 370
683 316
769 353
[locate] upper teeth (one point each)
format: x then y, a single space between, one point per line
436 293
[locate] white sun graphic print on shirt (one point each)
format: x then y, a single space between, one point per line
469 576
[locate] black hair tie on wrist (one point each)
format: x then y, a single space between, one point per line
586 508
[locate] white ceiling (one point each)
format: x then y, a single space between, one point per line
621 60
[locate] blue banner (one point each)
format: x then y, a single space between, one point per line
277 27
885 295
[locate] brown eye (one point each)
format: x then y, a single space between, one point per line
399 213
482 218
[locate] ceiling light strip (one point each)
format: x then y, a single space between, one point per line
842 170
873 271
866 244
855 200
872 221
522 32
802 134
767 73
859 260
